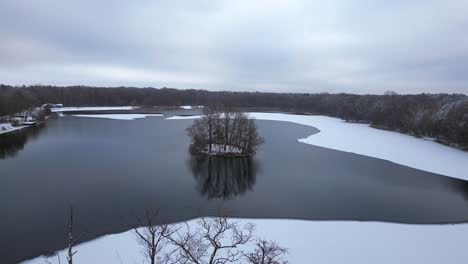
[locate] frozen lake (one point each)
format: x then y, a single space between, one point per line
111 170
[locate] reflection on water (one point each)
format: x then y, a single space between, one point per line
223 177
12 143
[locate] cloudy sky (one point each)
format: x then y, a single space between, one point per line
361 46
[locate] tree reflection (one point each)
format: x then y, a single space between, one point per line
12 143
223 177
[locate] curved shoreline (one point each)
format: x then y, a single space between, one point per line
312 241
364 140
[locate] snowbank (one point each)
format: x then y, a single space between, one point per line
92 108
120 116
362 139
315 242
7 128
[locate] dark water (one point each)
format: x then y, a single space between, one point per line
112 170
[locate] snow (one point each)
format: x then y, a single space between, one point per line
7 128
92 108
314 242
364 140
219 149
120 116
183 117
336 241
188 107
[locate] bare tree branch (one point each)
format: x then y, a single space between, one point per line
267 252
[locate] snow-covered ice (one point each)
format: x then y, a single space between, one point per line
188 107
120 116
337 241
92 108
7 128
364 140
183 117
315 242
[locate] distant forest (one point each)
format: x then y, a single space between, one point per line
440 116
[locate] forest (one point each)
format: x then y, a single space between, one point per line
440 116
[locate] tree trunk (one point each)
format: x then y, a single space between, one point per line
70 238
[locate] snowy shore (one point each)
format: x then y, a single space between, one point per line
8 128
314 242
336 241
119 116
91 108
364 140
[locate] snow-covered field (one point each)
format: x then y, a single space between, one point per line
92 108
315 242
120 116
362 139
7 128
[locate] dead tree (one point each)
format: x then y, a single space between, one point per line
215 241
267 252
71 239
153 237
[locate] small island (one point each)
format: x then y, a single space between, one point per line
222 132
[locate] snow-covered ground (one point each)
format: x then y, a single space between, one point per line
7 128
219 149
188 107
120 116
315 242
92 108
364 140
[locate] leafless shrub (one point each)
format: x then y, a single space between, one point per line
215 241
266 252
154 237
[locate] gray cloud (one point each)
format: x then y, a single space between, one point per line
358 46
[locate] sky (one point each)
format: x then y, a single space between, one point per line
360 46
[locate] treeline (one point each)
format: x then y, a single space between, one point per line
441 116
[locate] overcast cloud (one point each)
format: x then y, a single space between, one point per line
363 46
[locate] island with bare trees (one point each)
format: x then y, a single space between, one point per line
222 132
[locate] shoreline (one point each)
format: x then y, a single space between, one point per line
11 130
310 241
362 139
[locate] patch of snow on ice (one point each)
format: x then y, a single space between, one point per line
92 108
120 116
183 117
7 128
186 107
364 140
314 242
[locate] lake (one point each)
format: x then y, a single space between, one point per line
113 170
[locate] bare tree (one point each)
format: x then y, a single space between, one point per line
267 252
233 133
215 241
71 239
154 237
